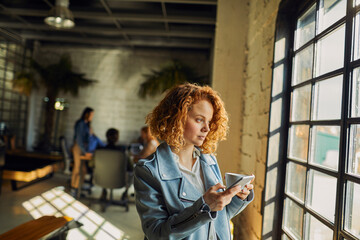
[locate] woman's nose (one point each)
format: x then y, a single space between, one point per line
206 128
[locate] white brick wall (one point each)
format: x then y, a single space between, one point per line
114 97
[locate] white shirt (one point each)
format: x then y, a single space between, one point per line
196 179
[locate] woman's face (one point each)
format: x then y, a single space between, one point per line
197 123
90 116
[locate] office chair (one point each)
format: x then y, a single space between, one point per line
110 173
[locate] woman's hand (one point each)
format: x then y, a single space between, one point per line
246 190
218 200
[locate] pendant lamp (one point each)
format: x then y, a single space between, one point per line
60 16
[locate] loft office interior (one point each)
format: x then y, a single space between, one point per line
288 72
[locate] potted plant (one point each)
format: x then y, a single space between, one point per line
56 78
171 74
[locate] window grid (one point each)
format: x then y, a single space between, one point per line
344 122
13 106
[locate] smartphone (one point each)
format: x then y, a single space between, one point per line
233 179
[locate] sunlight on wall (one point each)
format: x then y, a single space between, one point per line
58 203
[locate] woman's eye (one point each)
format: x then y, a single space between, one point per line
199 120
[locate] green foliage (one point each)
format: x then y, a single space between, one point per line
170 75
56 78
24 82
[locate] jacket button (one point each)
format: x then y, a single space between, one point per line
164 175
184 193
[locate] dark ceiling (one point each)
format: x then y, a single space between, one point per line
175 24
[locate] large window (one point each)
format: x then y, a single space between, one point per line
13 106
318 123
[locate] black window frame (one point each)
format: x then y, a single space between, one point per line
289 12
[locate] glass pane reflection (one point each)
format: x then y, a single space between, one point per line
322 194
330 51
293 219
303 63
305 29
330 11
298 142
300 103
354 152
315 230
327 99
324 149
355 102
352 213
295 180
356 47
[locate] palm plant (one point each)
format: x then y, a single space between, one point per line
56 78
171 74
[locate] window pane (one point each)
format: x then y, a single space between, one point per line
284 237
356 47
275 116
303 63
305 29
298 142
324 149
295 180
322 194
352 209
330 52
327 99
279 52
316 230
355 102
354 150
300 103
330 11
273 149
278 80
293 219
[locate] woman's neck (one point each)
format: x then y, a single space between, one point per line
186 156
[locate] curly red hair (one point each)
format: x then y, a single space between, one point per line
168 119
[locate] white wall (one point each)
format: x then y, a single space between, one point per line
114 97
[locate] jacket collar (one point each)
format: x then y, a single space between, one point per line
168 169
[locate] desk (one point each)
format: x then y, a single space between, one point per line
29 167
37 228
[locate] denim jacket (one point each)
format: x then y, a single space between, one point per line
82 135
171 208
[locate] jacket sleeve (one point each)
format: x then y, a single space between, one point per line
236 205
156 221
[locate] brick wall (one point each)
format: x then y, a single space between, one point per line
249 27
114 97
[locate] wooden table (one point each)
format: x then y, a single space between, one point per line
29 167
35 229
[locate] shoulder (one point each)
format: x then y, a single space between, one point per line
148 164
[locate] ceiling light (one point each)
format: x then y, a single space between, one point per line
60 16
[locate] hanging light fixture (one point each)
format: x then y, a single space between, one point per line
60 16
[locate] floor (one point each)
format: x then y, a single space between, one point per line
115 223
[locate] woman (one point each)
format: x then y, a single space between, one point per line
179 190
80 147
150 144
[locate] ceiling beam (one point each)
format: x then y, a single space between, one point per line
111 32
200 2
118 16
102 41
